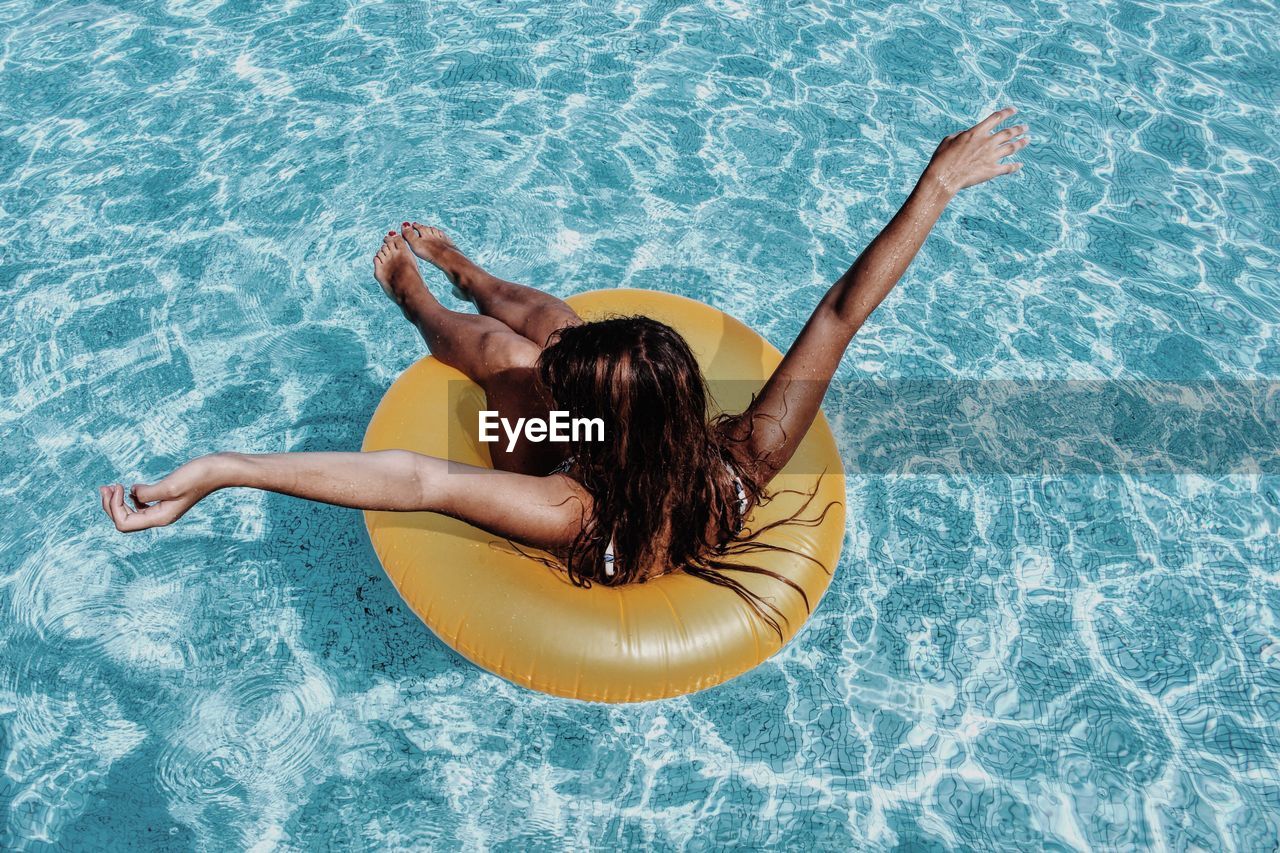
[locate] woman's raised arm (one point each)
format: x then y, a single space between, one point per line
767 434
544 512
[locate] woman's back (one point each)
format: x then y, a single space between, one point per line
660 561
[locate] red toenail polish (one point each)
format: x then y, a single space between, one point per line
405 224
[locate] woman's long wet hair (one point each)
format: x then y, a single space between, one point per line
659 482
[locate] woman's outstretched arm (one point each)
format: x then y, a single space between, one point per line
768 433
545 512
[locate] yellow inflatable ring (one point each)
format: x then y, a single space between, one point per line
524 621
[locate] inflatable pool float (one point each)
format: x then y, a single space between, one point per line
524 621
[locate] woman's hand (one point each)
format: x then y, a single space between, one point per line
973 156
166 501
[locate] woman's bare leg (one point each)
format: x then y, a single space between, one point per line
473 343
493 356
526 310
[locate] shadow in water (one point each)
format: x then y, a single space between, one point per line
350 611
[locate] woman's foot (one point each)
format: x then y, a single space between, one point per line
433 246
397 271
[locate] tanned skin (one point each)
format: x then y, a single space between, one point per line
499 348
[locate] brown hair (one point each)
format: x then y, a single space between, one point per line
659 476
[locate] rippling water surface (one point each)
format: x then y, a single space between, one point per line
190 193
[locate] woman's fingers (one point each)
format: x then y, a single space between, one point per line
115 505
144 493
126 519
1008 168
1009 133
1013 146
995 118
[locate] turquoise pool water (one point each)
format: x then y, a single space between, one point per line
190 195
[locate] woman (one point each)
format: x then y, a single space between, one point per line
665 490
